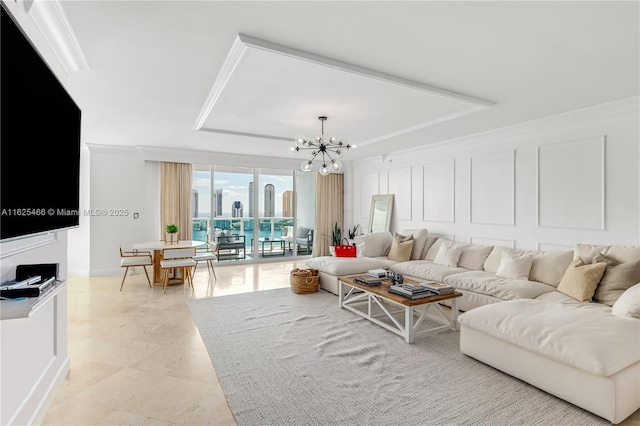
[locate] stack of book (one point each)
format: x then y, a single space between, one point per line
378 273
367 280
410 291
438 288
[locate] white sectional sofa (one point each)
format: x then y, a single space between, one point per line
578 351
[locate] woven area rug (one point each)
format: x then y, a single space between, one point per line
287 359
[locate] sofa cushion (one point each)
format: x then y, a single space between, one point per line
474 256
628 304
586 336
375 244
426 270
580 279
435 247
401 247
617 278
420 237
431 239
514 266
448 254
549 266
303 232
499 287
495 257
619 253
346 265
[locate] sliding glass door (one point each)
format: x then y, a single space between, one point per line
262 208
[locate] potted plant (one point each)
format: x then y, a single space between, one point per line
172 233
336 239
352 234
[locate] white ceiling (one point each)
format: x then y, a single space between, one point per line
157 69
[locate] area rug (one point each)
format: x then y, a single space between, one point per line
289 359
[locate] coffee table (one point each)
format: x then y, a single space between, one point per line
380 296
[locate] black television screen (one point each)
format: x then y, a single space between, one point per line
39 141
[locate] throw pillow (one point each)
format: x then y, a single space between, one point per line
580 280
514 266
628 304
401 247
449 253
617 278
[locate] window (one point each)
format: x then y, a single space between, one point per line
231 200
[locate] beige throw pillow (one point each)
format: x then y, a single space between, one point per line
617 278
580 280
514 266
401 248
448 254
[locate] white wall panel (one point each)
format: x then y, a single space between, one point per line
439 192
554 247
488 241
400 187
369 186
493 189
571 184
445 236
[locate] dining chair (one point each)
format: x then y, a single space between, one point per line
208 254
177 258
129 259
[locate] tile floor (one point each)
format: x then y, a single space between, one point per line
137 357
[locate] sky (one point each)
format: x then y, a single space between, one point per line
235 187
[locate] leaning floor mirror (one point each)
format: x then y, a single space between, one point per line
380 217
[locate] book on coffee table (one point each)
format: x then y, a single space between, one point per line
419 295
437 287
367 280
379 273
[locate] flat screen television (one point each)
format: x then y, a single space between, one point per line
39 141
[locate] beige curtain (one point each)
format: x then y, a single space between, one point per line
175 198
329 210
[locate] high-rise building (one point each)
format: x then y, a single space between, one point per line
269 200
251 199
287 204
236 209
194 202
217 203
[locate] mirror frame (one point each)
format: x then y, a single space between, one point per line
389 200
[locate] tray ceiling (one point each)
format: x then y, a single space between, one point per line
272 91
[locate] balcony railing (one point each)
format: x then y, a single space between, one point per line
270 228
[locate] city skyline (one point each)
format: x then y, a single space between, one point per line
230 187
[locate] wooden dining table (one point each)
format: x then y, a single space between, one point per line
157 247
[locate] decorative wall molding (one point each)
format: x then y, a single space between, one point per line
553 247
440 193
400 185
579 171
369 186
11 248
489 241
615 108
491 188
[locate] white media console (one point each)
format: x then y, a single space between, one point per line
34 357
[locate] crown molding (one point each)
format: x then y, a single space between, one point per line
52 22
615 108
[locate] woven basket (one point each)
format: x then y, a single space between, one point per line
304 281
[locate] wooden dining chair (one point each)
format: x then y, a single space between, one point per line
177 258
129 259
209 254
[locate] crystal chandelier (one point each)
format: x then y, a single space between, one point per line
331 149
